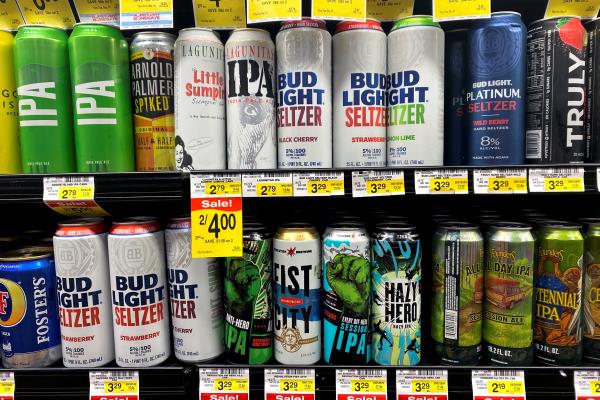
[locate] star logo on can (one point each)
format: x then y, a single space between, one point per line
291 251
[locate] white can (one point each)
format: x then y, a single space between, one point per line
304 95
199 101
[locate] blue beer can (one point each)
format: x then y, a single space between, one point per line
454 121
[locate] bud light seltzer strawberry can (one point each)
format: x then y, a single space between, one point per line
83 287
304 95
136 254
251 125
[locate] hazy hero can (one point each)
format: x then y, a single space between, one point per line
10 151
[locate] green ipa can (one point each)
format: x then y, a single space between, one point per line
456 325
101 99
591 292
44 98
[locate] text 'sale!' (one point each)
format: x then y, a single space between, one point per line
10 152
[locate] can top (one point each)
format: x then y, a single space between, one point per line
97 24
253 230
395 226
511 226
296 225
153 34
562 225
303 23
458 225
182 222
594 221
57 28
26 254
346 226
80 227
193 30
499 13
415 20
135 226
369 24
97 30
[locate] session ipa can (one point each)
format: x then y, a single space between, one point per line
10 151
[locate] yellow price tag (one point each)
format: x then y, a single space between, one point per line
121 387
579 8
389 10
220 13
7 388
274 189
461 9
339 9
10 15
368 385
595 387
268 10
297 385
325 187
76 192
231 385
385 186
55 13
429 386
217 227
445 185
222 188
98 10
563 184
507 184
506 387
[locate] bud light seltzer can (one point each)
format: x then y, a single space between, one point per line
556 99
346 294
359 93
151 56
396 294
199 101
304 95
136 254
10 151
83 287
196 297
454 111
415 133
297 274
592 130
251 125
591 293
28 308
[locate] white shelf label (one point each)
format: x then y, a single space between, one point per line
361 384
319 184
7 385
430 384
556 180
215 185
274 184
114 385
289 384
587 385
442 181
498 384
500 181
72 196
224 383
377 183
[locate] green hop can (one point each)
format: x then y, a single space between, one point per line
591 291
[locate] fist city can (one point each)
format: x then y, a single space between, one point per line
359 94
10 151
591 293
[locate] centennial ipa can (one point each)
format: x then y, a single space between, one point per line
454 109
591 293
10 151
592 130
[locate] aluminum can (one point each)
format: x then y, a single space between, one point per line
359 94
136 255
556 99
495 90
591 293
251 124
152 90
83 289
415 97
346 294
592 124
508 306
10 151
29 320
102 99
456 325
248 287
199 101
196 297
454 83
396 294
558 292
44 93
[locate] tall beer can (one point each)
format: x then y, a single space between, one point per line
196 297
101 97
304 95
10 151
251 125
359 94
454 106
136 255
415 133
591 292
199 101
83 287
592 128
44 92
152 90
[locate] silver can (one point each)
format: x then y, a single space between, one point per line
251 125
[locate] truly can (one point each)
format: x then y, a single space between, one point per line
456 326
592 125
10 151
591 293
359 94
251 125
200 101
495 90
196 297
297 299
557 329
138 278
101 97
556 98
248 287
454 87
508 306
304 138
396 254
83 288
415 97
346 294
152 92
29 322
44 93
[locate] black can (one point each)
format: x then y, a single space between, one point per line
455 91
592 126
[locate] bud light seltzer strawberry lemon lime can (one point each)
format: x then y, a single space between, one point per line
304 95
83 288
359 94
10 151
136 253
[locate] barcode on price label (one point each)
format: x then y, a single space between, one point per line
7 385
556 180
587 384
429 382
72 196
274 184
442 181
283 383
500 181
377 183
217 383
497 384
114 385
354 382
319 184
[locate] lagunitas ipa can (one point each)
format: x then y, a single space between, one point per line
415 101
196 297
10 151
454 108
251 125
101 96
138 278
199 101
304 95
297 274
591 293
359 94
83 288
152 90
592 128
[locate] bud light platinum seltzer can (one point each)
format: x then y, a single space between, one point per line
196 297
251 125
415 133
199 101
304 95
297 274
83 287
359 94
136 253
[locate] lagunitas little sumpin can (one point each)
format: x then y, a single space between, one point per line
10 151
